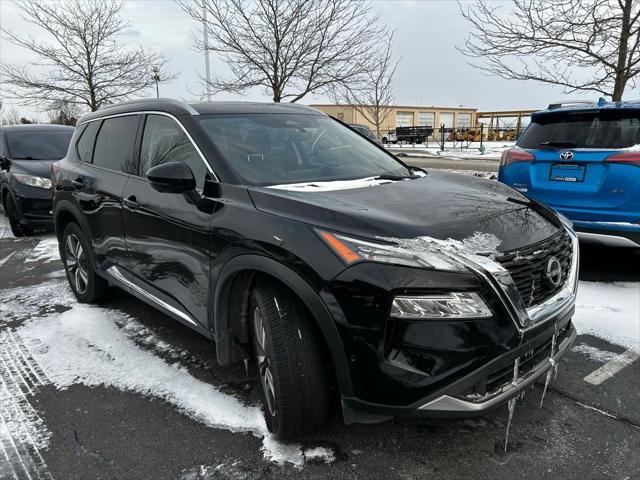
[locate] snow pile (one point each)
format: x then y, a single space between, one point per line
45 252
85 346
610 311
492 150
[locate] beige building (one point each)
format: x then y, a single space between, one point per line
407 116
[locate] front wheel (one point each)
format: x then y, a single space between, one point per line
291 363
14 220
75 253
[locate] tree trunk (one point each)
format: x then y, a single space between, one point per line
621 70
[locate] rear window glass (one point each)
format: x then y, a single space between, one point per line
38 144
595 129
114 146
85 144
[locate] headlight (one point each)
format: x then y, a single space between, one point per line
33 181
352 250
453 305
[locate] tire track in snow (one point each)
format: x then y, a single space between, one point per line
22 431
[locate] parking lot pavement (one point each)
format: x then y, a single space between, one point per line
121 391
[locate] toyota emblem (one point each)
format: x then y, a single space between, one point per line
553 272
566 155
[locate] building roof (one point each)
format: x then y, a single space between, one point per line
397 107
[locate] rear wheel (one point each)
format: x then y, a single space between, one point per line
291 365
75 253
14 220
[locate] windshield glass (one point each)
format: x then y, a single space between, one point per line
595 129
273 149
38 144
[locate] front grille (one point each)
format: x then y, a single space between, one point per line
497 380
527 267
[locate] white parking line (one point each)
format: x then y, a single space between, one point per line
609 369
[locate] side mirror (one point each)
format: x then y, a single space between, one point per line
172 177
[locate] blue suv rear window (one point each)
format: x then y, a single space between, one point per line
594 129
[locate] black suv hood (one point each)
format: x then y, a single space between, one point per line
38 168
440 205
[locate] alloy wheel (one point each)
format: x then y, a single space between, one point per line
76 264
264 366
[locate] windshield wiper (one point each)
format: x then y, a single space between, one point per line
396 178
558 144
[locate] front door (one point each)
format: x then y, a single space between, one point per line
167 234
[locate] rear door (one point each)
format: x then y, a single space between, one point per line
106 150
167 234
572 168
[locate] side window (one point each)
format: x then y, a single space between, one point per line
114 145
164 141
87 140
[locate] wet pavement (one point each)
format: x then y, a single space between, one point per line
56 426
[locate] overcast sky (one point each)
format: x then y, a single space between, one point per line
431 70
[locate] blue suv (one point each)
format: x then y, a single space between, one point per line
584 161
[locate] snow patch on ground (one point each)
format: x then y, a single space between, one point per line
595 354
22 303
85 346
320 454
45 251
492 150
610 311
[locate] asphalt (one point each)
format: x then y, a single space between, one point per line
581 432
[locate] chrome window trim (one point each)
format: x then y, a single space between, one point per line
114 271
173 117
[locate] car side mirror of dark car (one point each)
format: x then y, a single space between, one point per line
172 177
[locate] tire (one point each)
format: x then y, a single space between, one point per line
11 211
292 369
77 258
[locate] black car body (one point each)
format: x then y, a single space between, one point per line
426 293
26 155
366 132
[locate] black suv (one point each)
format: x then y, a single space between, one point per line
26 155
287 238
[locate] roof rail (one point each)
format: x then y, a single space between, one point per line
554 106
139 101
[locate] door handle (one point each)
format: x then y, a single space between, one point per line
131 202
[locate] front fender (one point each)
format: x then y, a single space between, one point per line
221 322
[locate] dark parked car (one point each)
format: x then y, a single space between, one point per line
287 238
26 155
366 131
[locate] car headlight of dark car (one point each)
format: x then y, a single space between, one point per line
33 181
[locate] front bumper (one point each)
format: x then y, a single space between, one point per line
445 368
34 206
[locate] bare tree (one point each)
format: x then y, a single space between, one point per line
289 47
83 63
582 45
372 94
64 113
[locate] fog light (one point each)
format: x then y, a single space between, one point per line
454 305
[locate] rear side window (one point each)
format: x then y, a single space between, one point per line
86 142
114 145
164 141
595 129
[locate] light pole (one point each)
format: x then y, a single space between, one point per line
207 69
156 77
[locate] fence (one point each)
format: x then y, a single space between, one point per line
450 137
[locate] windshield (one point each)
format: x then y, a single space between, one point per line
595 129
38 144
274 149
